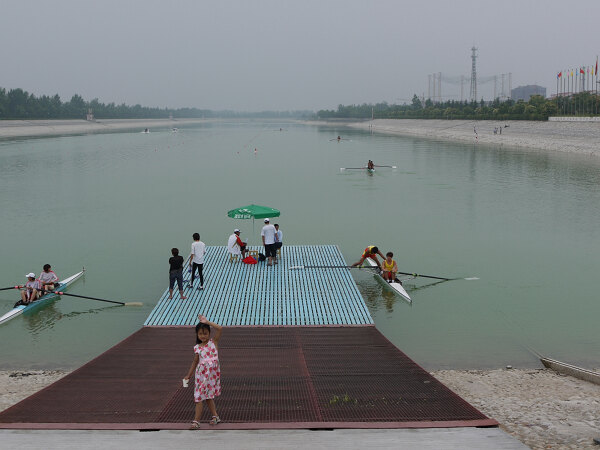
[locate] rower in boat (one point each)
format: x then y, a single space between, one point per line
339 138
48 279
389 268
31 290
370 252
370 165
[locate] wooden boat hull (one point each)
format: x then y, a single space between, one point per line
45 299
395 286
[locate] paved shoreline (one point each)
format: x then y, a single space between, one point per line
570 137
539 407
37 128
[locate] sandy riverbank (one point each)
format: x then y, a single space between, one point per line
539 407
573 137
35 128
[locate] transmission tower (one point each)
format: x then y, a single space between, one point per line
474 74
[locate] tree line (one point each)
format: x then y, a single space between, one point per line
537 108
20 104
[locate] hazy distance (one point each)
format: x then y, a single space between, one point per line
284 55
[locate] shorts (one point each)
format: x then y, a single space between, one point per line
176 275
270 250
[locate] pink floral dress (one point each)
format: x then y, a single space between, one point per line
208 372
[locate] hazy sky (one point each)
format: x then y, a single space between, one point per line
276 54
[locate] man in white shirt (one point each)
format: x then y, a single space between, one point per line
268 238
235 246
197 260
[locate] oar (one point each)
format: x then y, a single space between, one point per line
99 299
330 267
438 278
393 167
12 287
369 267
352 168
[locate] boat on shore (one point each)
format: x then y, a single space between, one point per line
395 285
44 299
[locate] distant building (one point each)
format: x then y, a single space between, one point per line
525 92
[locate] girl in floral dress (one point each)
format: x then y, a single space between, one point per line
208 372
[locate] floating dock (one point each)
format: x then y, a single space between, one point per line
283 294
299 350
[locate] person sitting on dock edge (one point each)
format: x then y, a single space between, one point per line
48 278
370 252
389 268
235 246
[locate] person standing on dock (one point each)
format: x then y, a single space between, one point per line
370 252
176 273
207 370
268 237
197 260
278 238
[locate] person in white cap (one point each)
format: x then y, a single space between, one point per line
268 237
235 246
31 291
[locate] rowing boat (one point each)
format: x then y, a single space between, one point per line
395 285
44 299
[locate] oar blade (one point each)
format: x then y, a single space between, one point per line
471 278
133 304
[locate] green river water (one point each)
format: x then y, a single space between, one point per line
526 223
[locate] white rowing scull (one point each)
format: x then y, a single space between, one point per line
395 285
20 309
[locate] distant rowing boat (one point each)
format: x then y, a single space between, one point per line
395 285
62 286
357 168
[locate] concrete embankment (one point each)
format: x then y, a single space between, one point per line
36 128
572 137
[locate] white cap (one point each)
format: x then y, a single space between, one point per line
236 231
266 220
30 275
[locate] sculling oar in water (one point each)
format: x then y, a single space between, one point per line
353 168
12 287
392 167
98 299
402 273
438 278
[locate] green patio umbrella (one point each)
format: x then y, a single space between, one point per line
253 212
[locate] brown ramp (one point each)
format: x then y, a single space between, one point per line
272 377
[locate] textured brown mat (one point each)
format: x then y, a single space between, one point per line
271 377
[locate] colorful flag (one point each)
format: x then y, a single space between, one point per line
559 75
596 65
581 70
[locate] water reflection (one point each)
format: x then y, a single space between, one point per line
46 318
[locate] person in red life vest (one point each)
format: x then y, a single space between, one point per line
370 252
